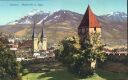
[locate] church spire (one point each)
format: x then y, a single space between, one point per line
42 34
33 30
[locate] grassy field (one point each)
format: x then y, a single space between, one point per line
64 75
61 73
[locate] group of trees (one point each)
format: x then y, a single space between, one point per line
81 60
9 69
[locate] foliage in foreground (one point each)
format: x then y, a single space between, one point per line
78 59
9 69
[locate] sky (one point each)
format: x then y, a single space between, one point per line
11 10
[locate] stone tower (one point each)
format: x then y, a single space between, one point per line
88 25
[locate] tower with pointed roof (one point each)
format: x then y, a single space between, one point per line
88 25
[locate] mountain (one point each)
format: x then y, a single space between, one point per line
56 17
28 19
115 16
64 22
63 15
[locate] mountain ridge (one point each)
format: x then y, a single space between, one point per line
65 22
41 14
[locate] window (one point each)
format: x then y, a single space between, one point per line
95 29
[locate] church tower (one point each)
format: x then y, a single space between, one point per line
88 25
34 39
39 39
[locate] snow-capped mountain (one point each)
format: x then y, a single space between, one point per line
55 17
115 16
122 14
30 17
65 15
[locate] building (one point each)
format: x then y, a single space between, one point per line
89 24
13 44
11 40
39 40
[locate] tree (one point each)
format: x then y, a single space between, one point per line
79 59
9 69
92 49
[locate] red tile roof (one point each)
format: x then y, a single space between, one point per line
89 19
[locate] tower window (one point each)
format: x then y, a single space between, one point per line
95 29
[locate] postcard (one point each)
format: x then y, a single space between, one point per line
63 40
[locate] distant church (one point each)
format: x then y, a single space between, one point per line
88 25
39 40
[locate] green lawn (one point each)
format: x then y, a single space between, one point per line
57 75
63 74
56 71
